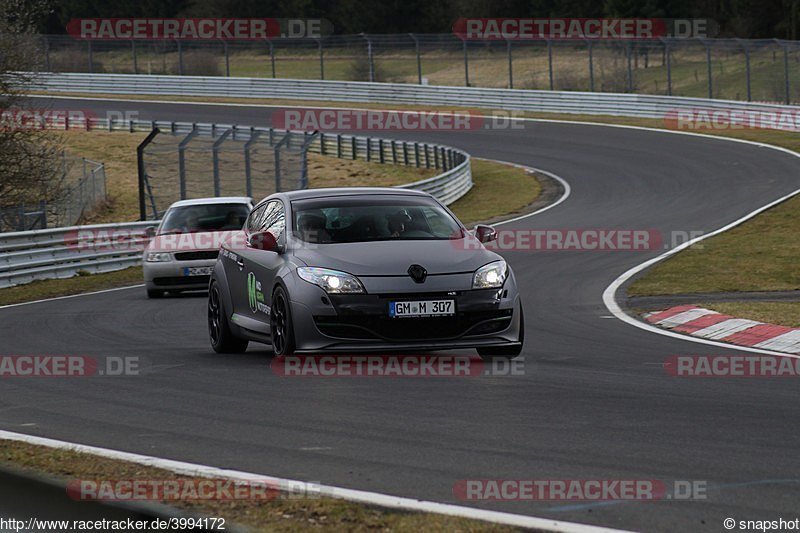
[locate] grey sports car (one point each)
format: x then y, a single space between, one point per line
362 270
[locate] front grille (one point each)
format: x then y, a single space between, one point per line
181 280
196 256
400 329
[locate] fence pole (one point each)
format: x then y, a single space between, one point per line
589 44
182 159
668 58
370 58
510 65
747 69
272 57
550 61
180 58
133 54
248 180
141 169
419 59
215 155
786 72
708 69
43 211
466 63
47 54
90 55
321 60
227 59
628 53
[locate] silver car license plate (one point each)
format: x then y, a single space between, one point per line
198 271
422 308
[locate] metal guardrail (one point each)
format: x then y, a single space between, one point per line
618 104
66 252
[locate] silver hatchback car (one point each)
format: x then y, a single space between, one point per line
183 249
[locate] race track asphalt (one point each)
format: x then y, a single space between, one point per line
594 401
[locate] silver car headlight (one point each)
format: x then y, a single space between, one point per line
158 257
490 276
331 281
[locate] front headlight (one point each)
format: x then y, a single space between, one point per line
158 257
490 276
331 281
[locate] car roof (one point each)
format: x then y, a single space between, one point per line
304 194
215 200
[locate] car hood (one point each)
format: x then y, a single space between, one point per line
187 242
392 258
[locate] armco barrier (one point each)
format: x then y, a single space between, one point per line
619 104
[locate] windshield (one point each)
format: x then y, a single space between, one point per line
372 218
209 217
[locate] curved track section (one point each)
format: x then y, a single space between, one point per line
594 402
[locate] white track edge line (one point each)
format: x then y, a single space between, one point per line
54 298
359 496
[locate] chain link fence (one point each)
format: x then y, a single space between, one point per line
211 160
81 187
751 70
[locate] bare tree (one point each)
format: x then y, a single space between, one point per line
31 167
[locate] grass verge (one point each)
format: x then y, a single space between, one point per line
782 313
279 514
52 288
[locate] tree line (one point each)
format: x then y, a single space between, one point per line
736 18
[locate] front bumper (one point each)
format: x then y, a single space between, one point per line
172 275
361 323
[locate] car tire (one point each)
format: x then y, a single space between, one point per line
154 293
280 323
506 352
219 332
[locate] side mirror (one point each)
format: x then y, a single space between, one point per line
263 241
485 233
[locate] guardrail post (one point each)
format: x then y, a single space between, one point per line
550 61
405 153
416 154
354 147
394 152
419 59
590 48
444 158
141 169
466 63
133 54
427 157
435 158
510 65
369 149
338 145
